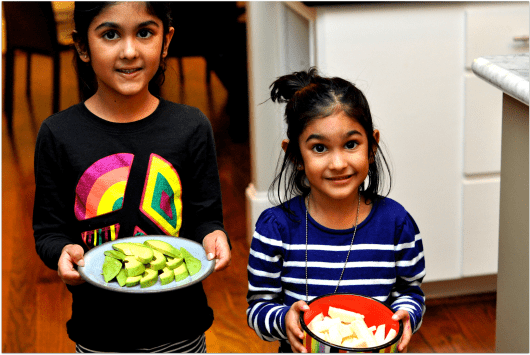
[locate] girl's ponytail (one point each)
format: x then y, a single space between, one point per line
284 88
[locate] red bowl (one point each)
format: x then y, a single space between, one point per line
374 311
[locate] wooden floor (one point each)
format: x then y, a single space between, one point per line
36 304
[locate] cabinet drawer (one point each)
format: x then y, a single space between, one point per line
482 127
492 30
481 227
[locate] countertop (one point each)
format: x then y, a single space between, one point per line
507 72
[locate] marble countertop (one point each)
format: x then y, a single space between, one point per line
507 72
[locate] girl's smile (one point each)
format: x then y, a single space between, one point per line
335 156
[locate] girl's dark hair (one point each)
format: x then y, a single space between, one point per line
310 96
84 13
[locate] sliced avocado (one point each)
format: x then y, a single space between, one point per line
166 276
133 266
111 268
133 280
149 278
173 263
122 277
115 254
142 252
158 262
163 247
181 272
192 263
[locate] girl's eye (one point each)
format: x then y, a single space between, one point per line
110 35
319 148
144 33
350 145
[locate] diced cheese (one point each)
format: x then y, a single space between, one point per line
334 334
325 324
318 318
391 335
380 334
345 330
345 316
358 343
360 328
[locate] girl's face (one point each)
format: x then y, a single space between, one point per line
125 44
335 156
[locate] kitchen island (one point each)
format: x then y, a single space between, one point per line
509 73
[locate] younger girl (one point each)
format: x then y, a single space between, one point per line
338 235
126 162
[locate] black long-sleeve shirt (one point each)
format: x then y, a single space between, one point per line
97 181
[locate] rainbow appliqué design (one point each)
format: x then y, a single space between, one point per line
162 195
102 187
99 236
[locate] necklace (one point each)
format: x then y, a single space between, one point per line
347 256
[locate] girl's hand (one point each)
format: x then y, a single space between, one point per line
293 327
407 330
71 255
216 246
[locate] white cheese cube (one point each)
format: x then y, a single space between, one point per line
391 335
318 318
380 334
345 316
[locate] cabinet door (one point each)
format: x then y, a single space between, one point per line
482 127
481 227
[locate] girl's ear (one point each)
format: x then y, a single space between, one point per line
285 144
81 50
167 41
374 147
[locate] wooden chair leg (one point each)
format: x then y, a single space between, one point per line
9 89
28 76
56 82
181 70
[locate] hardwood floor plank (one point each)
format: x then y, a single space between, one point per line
53 307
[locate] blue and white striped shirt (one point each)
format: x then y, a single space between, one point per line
386 262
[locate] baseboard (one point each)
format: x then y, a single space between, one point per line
256 202
460 287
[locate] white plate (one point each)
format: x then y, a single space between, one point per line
94 258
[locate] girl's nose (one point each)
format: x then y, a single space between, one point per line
338 161
129 50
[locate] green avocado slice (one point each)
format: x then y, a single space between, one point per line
149 278
163 247
115 254
181 272
158 262
133 266
192 263
133 280
143 253
166 276
173 263
111 268
122 277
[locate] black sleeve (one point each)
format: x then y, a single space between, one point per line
204 198
50 225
